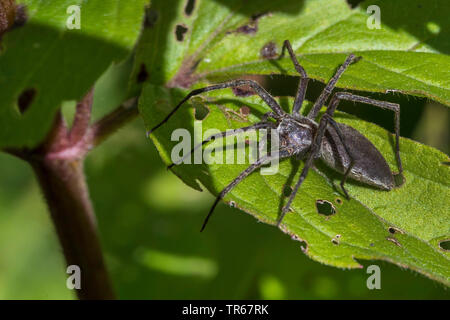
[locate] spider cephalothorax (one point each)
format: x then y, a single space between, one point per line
296 134
339 146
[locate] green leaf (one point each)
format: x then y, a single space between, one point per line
57 63
407 55
403 226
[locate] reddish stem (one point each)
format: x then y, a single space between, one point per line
63 184
58 165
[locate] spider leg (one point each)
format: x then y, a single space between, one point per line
301 91
259 125
327 118
268 99
330 86
315 148
377 103
261 161
268 115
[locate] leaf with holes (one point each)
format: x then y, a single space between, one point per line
44 63
407 225
220 39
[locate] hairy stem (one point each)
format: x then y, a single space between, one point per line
63 184
113 121
58 165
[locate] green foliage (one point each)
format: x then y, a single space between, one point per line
58 63
403 226
158 213
403 56
417 210
148 254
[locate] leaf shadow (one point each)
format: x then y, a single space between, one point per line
289 182
254 7
425 20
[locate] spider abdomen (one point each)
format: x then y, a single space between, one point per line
369 167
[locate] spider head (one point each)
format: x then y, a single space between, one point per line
296 135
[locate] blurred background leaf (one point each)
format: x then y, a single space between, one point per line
43 63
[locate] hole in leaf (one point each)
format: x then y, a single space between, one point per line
433 28
269 50
338 200
287 190
303 243
190 5
200 112
445 245
25 99
68 110
151 16
325 207
336 238
143 74
304 246
180 30
232 204
394 230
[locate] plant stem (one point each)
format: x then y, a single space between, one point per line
58 165
63 184
113 121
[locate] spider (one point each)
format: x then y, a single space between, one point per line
340 146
